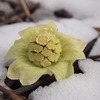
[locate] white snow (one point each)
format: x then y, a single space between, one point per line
78 87
43 14
86 10
5 7
80 9
92 22
96 48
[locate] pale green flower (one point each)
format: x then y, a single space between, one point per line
43 50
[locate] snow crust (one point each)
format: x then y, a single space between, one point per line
87 13
85 10
78 87
80 9
43 14
92 22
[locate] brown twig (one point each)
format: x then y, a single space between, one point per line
97 28
26 9
63 14
94 57
10 93
89 47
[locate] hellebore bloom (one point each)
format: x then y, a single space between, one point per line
43 50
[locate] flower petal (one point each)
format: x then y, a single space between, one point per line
29 34
18 49
25 71
70 41
48 28
15 69
30 75
62 70
71 53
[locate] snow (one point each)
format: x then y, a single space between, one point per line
5 7
80 9
86 15
86 10
78 87
96 48
92 22
42 14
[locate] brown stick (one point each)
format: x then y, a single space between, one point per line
26 10
10 93
94 57
97 28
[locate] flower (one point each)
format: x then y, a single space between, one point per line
43 50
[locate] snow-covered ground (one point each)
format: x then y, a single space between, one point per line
5 7
79 86
87 10
86 16
78 8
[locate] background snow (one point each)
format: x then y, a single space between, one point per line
42 14
78 87
92 22
78 8
5 7
87 10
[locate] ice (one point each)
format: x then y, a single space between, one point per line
78 87
80 9
96 48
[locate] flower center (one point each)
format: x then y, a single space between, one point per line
45 50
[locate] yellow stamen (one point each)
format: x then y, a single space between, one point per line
45 50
